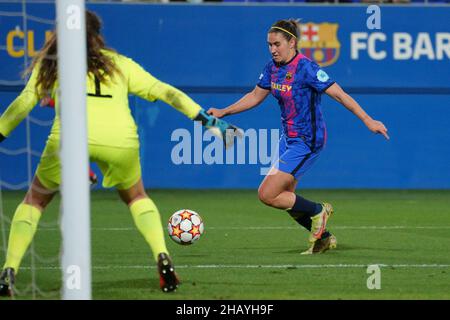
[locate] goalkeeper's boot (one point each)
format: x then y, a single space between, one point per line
168 279
7 279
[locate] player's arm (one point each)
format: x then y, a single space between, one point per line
247 102
148 87
19 108
183 103
338 94
175 98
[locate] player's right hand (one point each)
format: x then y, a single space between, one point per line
218 113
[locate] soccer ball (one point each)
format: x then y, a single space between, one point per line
185 227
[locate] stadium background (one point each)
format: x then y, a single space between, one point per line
216 53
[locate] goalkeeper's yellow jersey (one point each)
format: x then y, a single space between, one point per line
110 122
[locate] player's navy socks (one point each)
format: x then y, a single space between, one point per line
305 206
303 220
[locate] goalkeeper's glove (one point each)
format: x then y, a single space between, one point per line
47 101
219 127
92 179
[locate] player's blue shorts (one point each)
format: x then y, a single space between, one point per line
295 156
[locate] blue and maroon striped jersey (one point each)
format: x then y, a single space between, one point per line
298 85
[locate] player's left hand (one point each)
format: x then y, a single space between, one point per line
377 127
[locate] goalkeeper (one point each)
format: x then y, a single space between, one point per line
112 141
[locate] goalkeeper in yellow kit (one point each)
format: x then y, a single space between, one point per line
112 140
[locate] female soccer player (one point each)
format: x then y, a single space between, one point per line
297 83
112 140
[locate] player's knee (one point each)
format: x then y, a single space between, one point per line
140 197
38 196
136 192
129 198
41 202
265 197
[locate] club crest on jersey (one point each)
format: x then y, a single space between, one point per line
319 42
288 76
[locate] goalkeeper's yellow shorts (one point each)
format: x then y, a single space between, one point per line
120 167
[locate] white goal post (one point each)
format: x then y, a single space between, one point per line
75 215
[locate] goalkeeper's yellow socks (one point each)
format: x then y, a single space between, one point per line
23 228
148 221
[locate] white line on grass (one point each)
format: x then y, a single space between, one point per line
334 227
284 228
263 266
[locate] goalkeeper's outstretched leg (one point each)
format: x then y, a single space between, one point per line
23 228
148 221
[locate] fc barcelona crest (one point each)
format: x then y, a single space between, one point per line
319 42
288 76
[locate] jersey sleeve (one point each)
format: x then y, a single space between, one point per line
177 99
144 85
264 78
140 82
317 78
21 106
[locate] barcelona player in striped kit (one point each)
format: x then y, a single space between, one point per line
297 83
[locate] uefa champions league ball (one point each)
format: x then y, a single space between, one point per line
185 227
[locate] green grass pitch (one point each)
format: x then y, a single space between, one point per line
250 251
